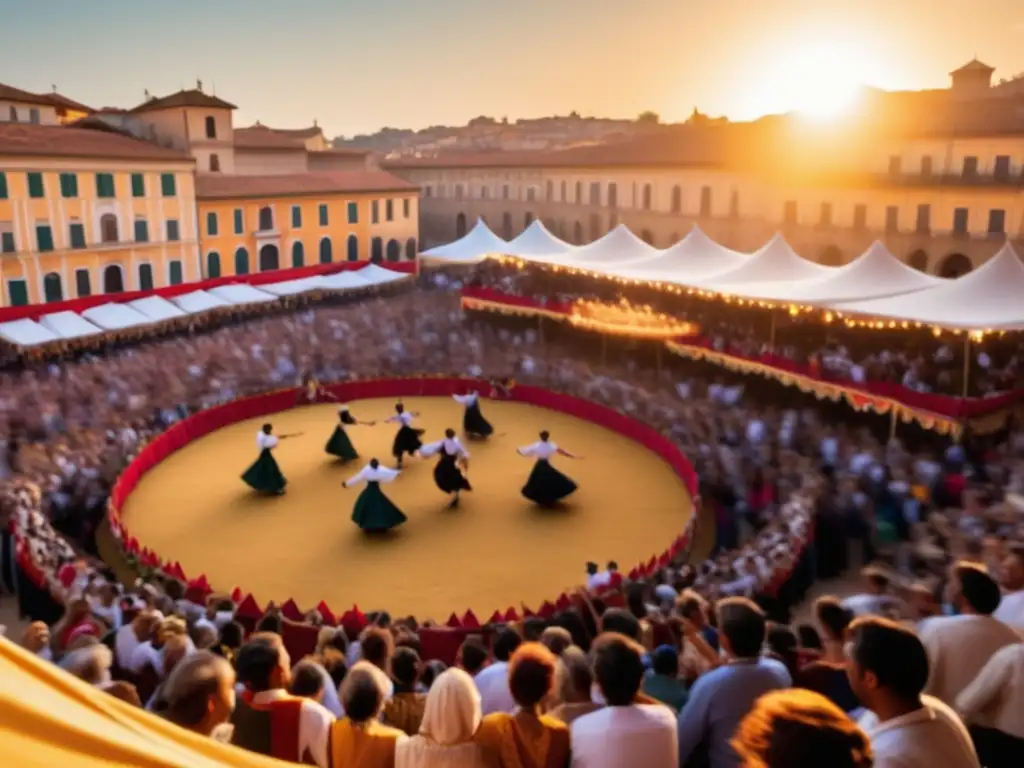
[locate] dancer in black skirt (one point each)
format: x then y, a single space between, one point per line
373 511
546 486
473 422
264 475
340 445
447 474
407 440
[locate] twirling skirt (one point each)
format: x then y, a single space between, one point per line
546 486
264 475
449 477
474 423
406 441
373 511
341 446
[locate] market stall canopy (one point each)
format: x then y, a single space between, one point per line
294 287
874 274
375 275
537 240
199 301
68 325
344 281
695 257
776 261
989 298
472 248
26 333
619 247
115 317
156 308
241 293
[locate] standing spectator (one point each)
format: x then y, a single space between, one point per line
1011 576
662 682
888 671
359 738
405 709
720 699
573 684
200 695
993 708
827 675
624 732
492 681
875 599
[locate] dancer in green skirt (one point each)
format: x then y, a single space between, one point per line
340 445
373 511
264 475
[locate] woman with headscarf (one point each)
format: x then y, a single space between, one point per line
450 722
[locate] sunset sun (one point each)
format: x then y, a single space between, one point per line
821 82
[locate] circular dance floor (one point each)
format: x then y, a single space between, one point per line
494 551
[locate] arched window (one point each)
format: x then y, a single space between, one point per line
394 252
145 277
376 250
298 255
918 260
648 197
266 218
108 228
113 279
677 199
613 195
270 258
83 284
214 163
211 127
352 247
506 226
241 262
955 265
527 219
53 289
832 256
410 249
577 233
460 225
212 265
326 252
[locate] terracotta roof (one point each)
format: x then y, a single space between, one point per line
189 98
973 66
352 151
63 102
67 141
294 133
10 93
218 186
248 138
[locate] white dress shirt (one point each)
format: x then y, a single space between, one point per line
466 400
125 643
926 738
314 725
542 449
958 648
1011 610
263 440
381 474
404 418
492 682
451 446
995 698
613 737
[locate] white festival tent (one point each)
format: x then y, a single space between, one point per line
472 248
618 248
775 261
157 308
695 257
294 287
241 293
537 240
345 281
68 325
26 333
874 274
375 275
115 317
989 298
199 301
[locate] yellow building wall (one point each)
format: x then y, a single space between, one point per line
227 242
21 214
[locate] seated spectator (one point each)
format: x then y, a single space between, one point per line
451 719
800 729
888 673
959 646
573 684
376 646
175 650
431 672
528 738
90 663
876 598
404 710
473 656
492 680
623 732
827 675
232 635
200 695
993 708
302 727
359 738
662 682
1011 577
556 639
720 699
307 681
694 608
783 647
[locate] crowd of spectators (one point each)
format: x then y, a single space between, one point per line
698 664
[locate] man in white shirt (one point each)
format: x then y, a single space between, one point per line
876 598
959 646
1011 577
131 636
623 733
993 707
492 680
888 670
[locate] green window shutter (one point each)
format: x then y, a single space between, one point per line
77 235
138 185
68 185
323 214
405 208
177 278
173 231
35 185
17 292
296 217
389 210
82 286
141 231
375 212
353 213
239 221
7 242
211 224
167 186
145 277
44 238
104 185
3 185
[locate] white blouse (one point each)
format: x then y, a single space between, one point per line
379 475
451 445
263 440
404 418
541 449
466 400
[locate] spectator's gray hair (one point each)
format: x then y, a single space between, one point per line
91 664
